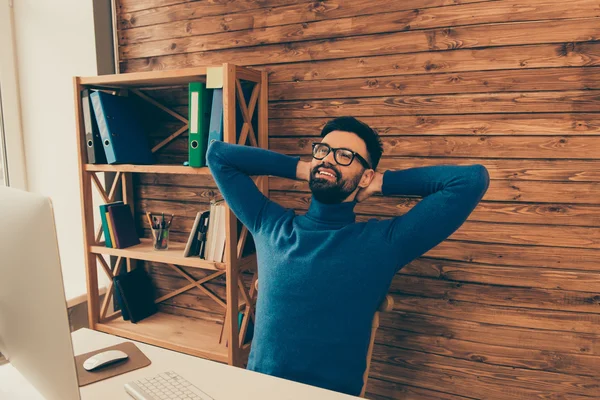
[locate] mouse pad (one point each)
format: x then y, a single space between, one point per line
136 360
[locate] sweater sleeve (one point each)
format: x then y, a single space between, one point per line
450 193
232 165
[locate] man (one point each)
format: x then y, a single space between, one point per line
323 275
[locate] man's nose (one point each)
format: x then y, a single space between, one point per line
330 158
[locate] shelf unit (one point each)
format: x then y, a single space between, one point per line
221 342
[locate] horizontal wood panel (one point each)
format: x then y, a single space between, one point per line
477 379
565 101
527 256
488 211
482 59
476 124
455 271
134 14
465 82
388 36
537 235
519 102
536 359
180 209
273 25
485 59
378 389
205 181
508 296
492 333
501 190
500 315
392 43
276 14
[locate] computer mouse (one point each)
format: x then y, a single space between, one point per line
104 358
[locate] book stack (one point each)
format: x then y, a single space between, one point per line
118 225
207 237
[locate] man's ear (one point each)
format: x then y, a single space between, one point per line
367 178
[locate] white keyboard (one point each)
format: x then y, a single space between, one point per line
168 385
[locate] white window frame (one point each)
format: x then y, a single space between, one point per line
10 101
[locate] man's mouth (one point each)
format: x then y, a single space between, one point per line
326 173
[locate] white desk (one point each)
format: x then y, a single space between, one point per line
222 382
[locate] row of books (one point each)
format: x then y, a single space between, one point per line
208 234
118 225
114 132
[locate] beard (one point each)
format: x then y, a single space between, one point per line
335 191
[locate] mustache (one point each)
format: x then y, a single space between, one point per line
329 166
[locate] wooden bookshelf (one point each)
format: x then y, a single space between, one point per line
219 341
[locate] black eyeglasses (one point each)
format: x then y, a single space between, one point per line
340 155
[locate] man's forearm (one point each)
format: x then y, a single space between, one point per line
253 161
423 181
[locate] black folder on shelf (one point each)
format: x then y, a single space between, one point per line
136 293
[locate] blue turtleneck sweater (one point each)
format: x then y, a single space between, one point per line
322 274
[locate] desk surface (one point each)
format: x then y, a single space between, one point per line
222 382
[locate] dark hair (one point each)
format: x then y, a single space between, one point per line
364 131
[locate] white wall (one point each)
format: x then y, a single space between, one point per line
11 113
55 41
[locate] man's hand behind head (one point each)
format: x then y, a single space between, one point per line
373 188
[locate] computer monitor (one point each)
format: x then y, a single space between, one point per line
34 325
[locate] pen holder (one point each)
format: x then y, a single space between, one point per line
160 238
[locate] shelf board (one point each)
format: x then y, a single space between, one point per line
148 78
176 332
145 251
157 169
175 77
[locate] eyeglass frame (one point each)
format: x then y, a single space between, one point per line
364 162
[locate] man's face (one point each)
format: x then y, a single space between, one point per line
346 179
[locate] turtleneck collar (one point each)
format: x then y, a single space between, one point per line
340 213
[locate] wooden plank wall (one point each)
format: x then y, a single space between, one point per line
508 306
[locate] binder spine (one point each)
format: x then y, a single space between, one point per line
216 117
103 128
198 134
87 120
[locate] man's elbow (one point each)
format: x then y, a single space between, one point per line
480 178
